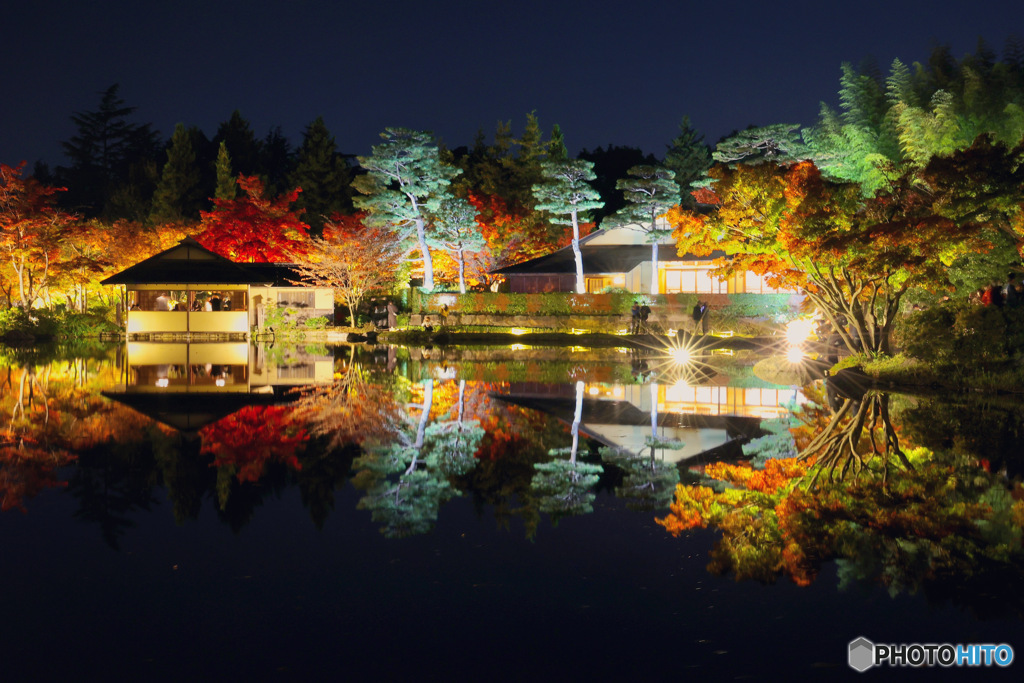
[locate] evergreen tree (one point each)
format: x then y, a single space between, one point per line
610 164
322 174
103 151
404 184
457 230
567 195
241 143
177 196
276 161
650 192
689 158
556 147
779 143
226 188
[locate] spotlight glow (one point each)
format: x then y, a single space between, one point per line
795 354
798 331
681 355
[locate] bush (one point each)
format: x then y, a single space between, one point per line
318 322
963 333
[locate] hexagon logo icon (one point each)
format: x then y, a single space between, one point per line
862 654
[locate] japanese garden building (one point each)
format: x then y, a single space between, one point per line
620 258
191 292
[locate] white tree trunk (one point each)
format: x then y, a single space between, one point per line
576 422
428 263
655 287
462 271
581 285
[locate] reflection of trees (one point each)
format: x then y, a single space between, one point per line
943 522
407 477
859 430
563 487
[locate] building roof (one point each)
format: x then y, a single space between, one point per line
599 258
189 263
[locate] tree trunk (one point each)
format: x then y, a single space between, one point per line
577 416
581 285
428 263
462 271
655 288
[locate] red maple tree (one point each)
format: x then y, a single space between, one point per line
253 227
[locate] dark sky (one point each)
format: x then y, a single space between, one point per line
622 73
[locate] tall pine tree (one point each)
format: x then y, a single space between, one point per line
322 174
405 182
178 195
567 195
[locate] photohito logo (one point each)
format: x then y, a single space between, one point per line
863 654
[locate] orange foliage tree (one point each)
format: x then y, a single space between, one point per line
254 228
31 230
352 258
855 258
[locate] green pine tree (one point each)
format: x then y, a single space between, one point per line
323 176
567 195
405 182
689 158
650 192
226 187
178 195
457 230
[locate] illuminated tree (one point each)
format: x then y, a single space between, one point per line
650 192
351 258
689 158
178 195
456 229
567 195
405 182
254 228
226 187
854 258
31 228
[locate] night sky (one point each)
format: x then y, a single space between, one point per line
609 73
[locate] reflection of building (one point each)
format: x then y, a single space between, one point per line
189 385
621 258
190 292
709 420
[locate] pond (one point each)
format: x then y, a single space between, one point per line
235 511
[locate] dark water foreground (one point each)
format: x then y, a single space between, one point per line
255 540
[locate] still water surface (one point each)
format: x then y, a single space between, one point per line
225 511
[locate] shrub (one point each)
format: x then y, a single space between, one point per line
318 322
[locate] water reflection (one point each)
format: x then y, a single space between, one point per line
526 434
875 488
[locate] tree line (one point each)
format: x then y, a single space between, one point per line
499 200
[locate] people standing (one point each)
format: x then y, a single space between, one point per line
634 319
704 317
645 313
696 314
391 313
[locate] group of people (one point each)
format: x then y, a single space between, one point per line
1010 294
638 316
382 313
214 302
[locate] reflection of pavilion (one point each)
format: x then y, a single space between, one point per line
189 385
708 420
